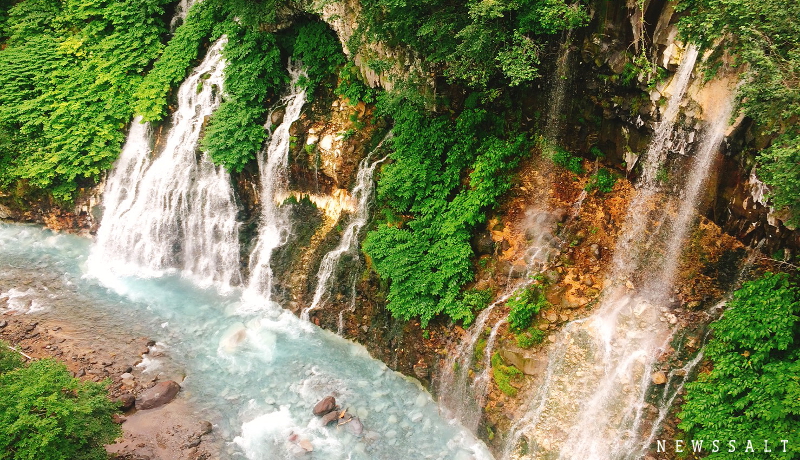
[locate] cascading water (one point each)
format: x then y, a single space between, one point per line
175 211
274 225
459 392
656 151
362 193
558 91
641 225
181 9
590 403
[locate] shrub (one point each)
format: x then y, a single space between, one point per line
753 391
602 180
46 414
566 160
531 337
445 174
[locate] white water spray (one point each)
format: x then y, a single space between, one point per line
362 193
175 211
274 225
590 405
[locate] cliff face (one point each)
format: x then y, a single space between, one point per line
610 110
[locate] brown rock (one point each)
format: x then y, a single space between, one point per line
326 405
659 378
421 370
329 418
157 396
205 428
127 401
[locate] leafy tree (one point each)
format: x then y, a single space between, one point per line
46 414
753 391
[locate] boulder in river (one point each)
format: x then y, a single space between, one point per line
327 404
330 417
160 394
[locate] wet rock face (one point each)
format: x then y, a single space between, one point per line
157 396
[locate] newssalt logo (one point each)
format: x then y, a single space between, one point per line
717 445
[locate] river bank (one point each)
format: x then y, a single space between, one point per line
170 432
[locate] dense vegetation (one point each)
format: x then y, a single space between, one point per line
446 173
75 73
476 43
46 414
763 37
753 391
66 89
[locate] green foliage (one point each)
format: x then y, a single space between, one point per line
780 168
533 336
443 177
473 300
66 90
351 86
524 304
503 375
45 414
764 38
565 159
477 42
602 180
320 52
152 95
235 132
9 359
596 152
753 391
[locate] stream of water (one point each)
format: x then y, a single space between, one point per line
590 403
274 225
260 373
349 243
173 209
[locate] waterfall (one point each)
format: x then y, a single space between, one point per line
591 402
173 209
656 151
181 10
552 129
362 193
463 395
458 392
274 225
641 225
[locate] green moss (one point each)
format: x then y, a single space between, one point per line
503 375
532 336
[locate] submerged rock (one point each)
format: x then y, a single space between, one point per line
157 396
355 426
329 418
